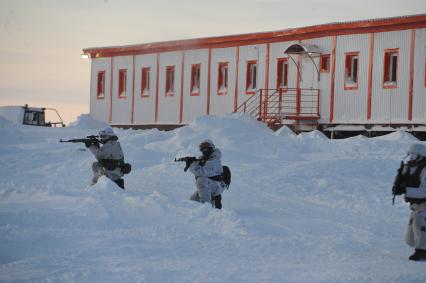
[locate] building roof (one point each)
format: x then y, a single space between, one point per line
330 29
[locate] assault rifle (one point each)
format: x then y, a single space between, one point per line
88 140
188 160
398 187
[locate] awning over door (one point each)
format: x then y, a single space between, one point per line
303 49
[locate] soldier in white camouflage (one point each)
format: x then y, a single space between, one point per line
411 181
208 175
109 157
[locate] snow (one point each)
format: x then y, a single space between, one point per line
300 208
86 121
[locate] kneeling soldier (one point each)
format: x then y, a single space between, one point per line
110 157
208 175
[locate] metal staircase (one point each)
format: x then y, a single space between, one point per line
296 108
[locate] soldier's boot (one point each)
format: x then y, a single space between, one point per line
418 255
217 201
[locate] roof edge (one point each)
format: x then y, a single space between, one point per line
370 25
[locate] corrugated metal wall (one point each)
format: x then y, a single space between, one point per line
326 46
391 105
122 107
222 104
194 106
99 108
169 106
276 52
350 106
419 87
248 53
144 107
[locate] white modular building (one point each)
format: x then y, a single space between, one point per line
354 76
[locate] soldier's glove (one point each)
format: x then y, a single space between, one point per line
89 143
399 190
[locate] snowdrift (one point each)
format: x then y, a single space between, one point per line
86 121
301 208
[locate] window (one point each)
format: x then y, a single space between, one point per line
122 83
282 73
222 85
325 63
100 91
145 82
251 80
351 71
170 80
34 118
390 68
195 79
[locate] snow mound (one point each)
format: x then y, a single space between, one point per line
6 124
398 136
305 209
235 135
313 135
285 132
86 121
9 132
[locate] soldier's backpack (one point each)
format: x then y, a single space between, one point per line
226 176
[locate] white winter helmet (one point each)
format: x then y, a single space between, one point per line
206 143
417 149
107 133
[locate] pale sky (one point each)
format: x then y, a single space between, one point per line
41 40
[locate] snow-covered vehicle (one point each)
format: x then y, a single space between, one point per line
33 116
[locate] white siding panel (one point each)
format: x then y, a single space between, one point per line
276 51
350 106
144 107
247 53
99 108
169 106
122 107
419 88
326 46
222 104
195 106
391 105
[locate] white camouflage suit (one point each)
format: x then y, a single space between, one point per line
207 188
416 230
109 150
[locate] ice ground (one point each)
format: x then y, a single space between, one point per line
300 208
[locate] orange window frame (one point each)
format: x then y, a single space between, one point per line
170 81
100 86
122 83
221 80
325 63
145 81
195 71
281 62
250 78
387 84
349 68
